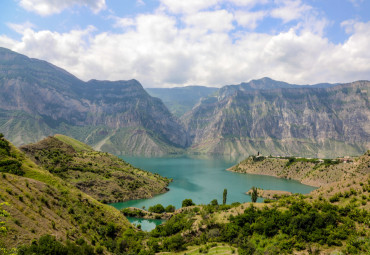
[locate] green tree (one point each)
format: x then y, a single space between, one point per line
254 194
187 202
214 202
158 208
170 208
224 197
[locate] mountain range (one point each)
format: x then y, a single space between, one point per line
38 99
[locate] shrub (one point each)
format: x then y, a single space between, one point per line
187 202
158 208
170 208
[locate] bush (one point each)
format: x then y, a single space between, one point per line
187 202
214 202
158 208
170 208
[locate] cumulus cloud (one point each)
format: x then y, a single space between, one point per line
249 19
123 22
48 7
249 3
204 49
217 21
188 6
20 28
289 10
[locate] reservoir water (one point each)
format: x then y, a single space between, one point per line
145 224
203 180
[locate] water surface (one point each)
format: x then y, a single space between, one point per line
146 224
203 180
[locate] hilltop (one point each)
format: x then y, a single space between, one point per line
101 175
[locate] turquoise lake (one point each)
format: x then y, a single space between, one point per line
203 180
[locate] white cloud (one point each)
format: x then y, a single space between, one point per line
217 21
289 10
48 7
249 19
123 22
158 52
249 3
188 6
140 2
21 28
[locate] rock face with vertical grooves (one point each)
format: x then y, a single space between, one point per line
38 99
323 120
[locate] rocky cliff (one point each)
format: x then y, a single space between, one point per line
325 121
38 99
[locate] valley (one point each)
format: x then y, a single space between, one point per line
174 149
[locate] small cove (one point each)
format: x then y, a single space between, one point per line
203 180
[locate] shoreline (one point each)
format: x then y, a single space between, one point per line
280 177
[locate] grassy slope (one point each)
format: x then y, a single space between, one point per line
77 145
101 175
312 172
41 203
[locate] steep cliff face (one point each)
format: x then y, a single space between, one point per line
50 100
38 99
323 122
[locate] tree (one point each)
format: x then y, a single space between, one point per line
187 202
158 208
214 202
254 194
224 197
170 208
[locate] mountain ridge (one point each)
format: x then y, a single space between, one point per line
39 99
52 101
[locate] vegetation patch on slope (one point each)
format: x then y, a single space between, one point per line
105 177
39 203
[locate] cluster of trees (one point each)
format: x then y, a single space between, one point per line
48 244
158 208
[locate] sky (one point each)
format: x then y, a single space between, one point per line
171 43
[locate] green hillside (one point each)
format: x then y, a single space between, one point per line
39 203
103 176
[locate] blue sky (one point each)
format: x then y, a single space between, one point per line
166 43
